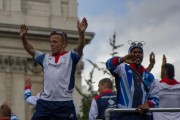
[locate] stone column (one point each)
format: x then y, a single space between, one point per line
72 5
55 7
16 5
1 4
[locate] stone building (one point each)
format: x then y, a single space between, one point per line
40 16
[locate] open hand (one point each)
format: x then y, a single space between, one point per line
128 58
82 25
27 81
23 31
152 59
164 60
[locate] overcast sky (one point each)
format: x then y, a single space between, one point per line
157 22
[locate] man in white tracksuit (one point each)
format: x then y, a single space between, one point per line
169 93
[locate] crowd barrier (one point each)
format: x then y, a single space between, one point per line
108 110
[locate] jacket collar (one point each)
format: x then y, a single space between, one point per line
169 81
135 68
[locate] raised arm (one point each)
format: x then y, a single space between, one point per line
27 87
27 46
113 62
32 100
152 62
81 29
163 61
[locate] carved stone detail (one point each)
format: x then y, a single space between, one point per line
13 64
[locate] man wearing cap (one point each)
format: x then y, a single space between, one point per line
58 71
136 87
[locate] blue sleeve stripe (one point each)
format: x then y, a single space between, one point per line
125 96
75 57
40 59
151 77
129 76
155 101
153 98
119 97
27 94
72 77
27 91
14 117
110 65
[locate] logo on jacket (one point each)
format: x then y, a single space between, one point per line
111 102
71 116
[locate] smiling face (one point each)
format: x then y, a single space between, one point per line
57 44
138 56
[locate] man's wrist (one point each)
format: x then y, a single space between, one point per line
23 39
150 104
27 87
151 65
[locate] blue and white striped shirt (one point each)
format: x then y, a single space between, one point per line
126 88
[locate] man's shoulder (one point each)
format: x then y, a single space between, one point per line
148 77
149 74
97 97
